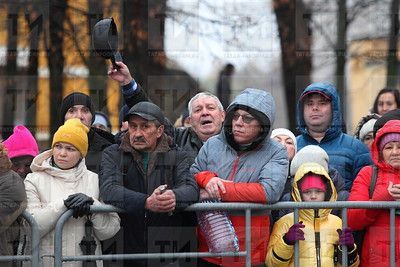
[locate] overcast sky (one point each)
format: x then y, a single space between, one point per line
201 47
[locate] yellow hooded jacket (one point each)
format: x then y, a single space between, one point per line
281 254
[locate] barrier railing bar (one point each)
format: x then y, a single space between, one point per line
152 256
248 237
35 239
292 205
344 248
248 207
296 245
16 258
392 238
60 224
58 237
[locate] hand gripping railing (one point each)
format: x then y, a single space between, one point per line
344 205
248 208
34 257
58 258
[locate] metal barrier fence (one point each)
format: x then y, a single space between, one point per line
246 207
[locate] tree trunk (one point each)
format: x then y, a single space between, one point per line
143 52
392 62
96 64
56 60
341 48
35 21
295 39
11 70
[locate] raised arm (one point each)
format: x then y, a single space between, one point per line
131 91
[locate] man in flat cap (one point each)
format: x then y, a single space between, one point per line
151 181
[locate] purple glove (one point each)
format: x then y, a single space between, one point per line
346 237
294 234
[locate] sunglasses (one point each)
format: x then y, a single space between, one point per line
245 118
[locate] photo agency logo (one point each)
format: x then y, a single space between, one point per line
24 24
172 92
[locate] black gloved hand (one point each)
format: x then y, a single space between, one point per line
79 203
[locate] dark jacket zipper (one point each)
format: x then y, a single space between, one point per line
317 237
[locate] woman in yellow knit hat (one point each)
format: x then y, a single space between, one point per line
61 181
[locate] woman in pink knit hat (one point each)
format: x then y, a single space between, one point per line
22 148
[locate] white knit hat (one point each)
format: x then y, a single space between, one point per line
284 131
367 128
310 153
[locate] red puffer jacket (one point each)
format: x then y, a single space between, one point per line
376 246
240 192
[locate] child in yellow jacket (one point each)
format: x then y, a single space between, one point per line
319 232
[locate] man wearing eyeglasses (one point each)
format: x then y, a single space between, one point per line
242 164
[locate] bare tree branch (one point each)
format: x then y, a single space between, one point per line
321 29
357 8
235 26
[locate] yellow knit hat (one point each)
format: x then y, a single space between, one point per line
73 132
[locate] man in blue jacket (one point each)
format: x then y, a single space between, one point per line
319 119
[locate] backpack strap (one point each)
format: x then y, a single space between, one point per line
373 180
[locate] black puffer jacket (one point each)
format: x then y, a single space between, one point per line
188 140
124 184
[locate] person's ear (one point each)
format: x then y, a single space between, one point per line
223 115
160 131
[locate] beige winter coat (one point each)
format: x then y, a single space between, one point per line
46 188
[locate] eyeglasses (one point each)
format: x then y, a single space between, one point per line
245 118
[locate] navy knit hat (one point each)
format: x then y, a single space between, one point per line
73 99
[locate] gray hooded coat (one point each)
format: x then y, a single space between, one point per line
258 171
263 161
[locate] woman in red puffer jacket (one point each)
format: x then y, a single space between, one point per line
385 152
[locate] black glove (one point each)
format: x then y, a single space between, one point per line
79 203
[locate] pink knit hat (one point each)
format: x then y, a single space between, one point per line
21 143
312 181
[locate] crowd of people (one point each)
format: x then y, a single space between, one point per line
153 170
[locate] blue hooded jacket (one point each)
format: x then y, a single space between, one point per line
346 153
